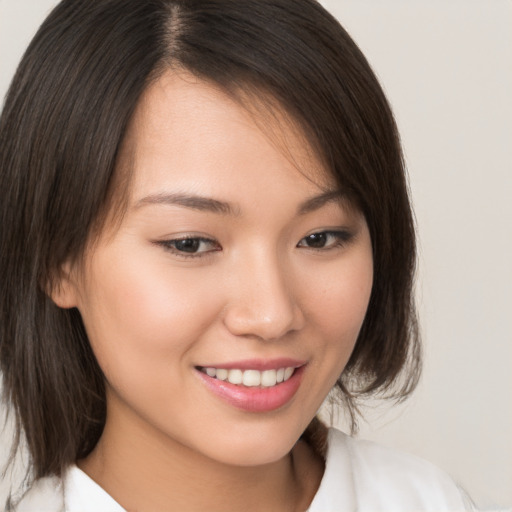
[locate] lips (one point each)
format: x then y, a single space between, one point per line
257 386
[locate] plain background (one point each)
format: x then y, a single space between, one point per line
446 66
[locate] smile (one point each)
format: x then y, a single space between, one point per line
254 390
251 378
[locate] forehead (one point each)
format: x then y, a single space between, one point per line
188 130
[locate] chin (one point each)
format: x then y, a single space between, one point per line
254 454
254 447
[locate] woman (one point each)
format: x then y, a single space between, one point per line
209 229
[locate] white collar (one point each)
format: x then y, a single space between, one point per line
337 490
82 494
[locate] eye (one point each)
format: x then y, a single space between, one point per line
325 240
190 246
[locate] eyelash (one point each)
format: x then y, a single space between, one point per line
170 245
341 238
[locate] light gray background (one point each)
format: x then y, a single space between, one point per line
447 68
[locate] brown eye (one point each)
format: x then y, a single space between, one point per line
325 240
190 246
316 240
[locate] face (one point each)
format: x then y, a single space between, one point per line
227 302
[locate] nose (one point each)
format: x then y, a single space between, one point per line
263 300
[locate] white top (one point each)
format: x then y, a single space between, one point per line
359 476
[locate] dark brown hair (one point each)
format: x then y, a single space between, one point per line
63 122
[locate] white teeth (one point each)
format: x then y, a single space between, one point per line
235 376
222 374
269 378
288 373
251 378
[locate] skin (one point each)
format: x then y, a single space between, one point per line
257 290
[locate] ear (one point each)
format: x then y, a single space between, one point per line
63 289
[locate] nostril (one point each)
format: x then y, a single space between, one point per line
267 325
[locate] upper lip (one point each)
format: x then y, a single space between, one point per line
258 364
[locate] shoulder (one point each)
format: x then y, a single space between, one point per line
74 492
366 476
387 475
45 495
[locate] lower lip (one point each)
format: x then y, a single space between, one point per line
255 399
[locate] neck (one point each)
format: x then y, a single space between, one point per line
146 471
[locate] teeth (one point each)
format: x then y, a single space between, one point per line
269 378
220 374
235 376
251 378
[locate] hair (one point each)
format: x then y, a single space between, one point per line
61 130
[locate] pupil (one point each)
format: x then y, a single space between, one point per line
188 245
317 240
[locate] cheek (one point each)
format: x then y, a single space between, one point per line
342 303
135 313
339 307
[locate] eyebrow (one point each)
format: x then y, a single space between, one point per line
315 203
208 204
192 201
